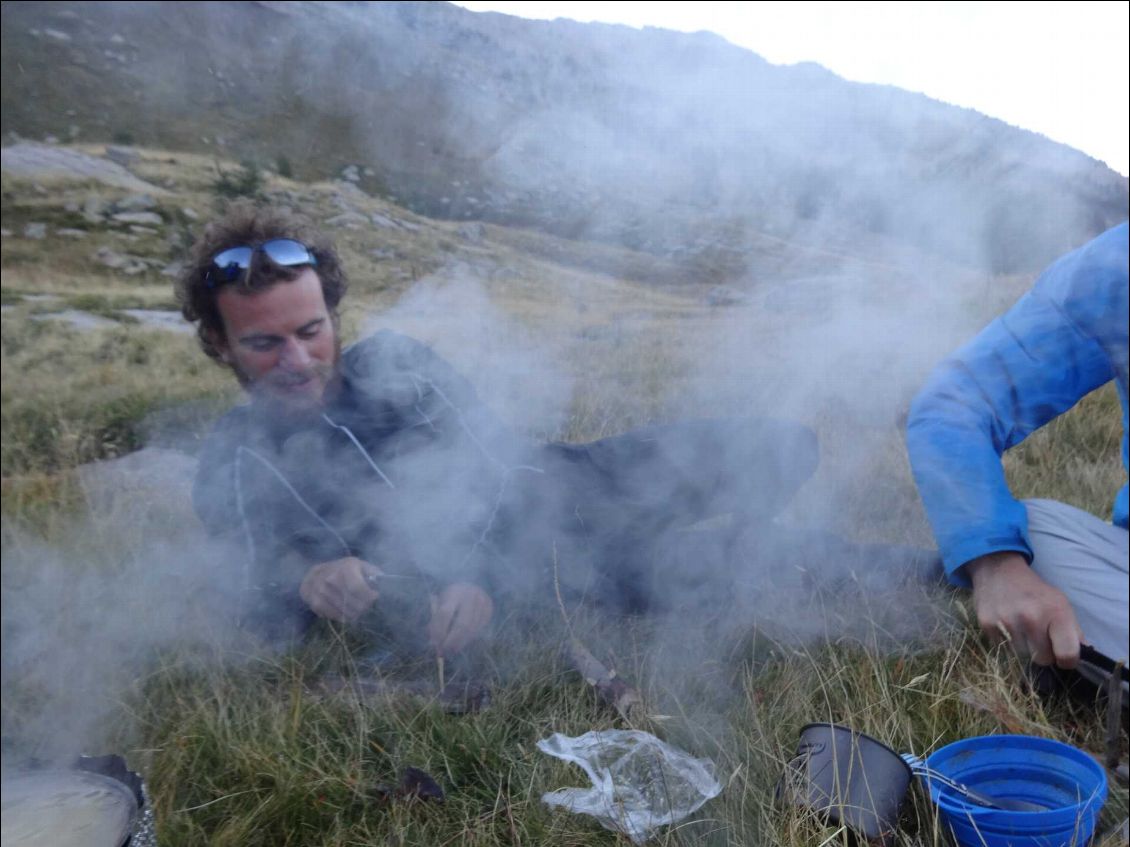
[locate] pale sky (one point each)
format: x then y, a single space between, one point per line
1058 68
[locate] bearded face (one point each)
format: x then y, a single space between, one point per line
281 342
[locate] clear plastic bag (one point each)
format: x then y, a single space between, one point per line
639 783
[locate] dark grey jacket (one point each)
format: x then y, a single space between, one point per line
409 470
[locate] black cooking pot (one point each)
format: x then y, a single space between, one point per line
849 779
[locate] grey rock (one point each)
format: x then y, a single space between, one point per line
129 265
349 220
57 35
143 218
383 221
134 202
77 319
190 213
36 161
92 209
35 230
473 232
68 232
155 471
105 256
160 319
349 191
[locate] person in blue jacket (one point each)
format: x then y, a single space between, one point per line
1046 576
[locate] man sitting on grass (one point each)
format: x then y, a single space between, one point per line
375 472
1046 576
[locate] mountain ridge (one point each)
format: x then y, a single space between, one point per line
685 146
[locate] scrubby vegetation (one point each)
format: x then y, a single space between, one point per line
247 181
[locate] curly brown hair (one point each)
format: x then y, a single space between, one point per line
248 223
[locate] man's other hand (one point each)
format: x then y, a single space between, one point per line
1014 603
460 612
340 590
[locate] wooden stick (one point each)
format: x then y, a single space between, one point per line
1114 717
609 687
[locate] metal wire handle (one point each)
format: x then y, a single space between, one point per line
919 768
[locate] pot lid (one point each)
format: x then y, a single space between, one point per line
65 808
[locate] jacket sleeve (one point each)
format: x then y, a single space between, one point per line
1026 368
267 566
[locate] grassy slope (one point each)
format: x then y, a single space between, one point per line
243 753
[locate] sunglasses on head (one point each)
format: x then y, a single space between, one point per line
228 265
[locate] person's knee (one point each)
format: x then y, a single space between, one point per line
1045 515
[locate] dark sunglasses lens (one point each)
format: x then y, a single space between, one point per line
232 262
288 252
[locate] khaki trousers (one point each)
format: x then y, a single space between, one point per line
1086 559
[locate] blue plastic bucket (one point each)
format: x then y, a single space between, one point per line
1068 783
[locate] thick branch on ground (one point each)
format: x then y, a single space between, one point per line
610 688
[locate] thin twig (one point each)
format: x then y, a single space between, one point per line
557 593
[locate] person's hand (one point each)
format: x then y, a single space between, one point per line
1013 603
460 612
341 589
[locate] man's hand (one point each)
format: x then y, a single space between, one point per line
460 612
1014 603
341 589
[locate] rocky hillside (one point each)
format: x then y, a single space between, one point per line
681 146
